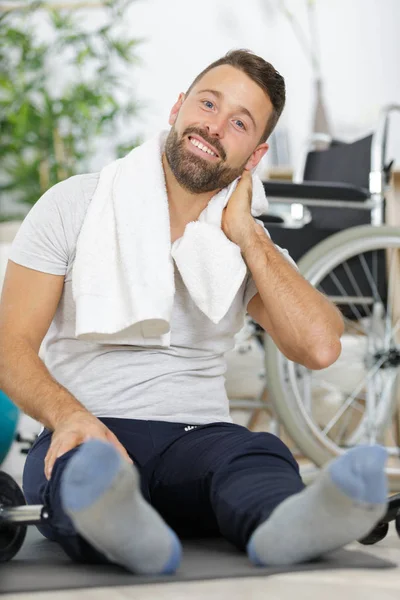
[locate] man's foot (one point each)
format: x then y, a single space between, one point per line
342 505
101 494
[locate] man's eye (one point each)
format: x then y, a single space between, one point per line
240 124
206 102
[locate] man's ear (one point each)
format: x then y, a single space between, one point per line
256 156
175 109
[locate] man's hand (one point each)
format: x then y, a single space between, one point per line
78 428
237 221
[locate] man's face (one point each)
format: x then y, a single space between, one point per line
226 112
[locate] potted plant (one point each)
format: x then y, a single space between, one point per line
63 85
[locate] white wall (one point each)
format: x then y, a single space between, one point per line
359 51
359 44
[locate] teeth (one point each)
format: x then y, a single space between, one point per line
202 147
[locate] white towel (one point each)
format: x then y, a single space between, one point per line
123 275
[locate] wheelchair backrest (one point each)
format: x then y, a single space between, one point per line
341 163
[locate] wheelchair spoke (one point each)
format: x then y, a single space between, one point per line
329 387
343 427
339 300
354 284
351 398
352 325
371 281
342 290
375 270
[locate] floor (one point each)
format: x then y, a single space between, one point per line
340 584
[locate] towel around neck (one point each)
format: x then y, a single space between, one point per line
123 275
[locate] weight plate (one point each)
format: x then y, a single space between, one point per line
11 536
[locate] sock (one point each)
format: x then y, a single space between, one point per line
100 492
342 505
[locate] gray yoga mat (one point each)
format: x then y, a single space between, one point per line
42 565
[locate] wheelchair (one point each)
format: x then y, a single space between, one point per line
332 221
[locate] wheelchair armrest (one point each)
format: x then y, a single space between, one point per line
271 219
315 190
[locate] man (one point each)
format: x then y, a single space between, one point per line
194 472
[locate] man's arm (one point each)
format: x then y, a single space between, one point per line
303 323
28 304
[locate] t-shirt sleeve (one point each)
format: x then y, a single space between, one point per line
42 240
251 289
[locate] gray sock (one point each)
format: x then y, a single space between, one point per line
100 492
342 505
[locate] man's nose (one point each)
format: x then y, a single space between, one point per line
216 127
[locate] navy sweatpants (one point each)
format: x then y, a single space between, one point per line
205 480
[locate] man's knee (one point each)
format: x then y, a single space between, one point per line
270 450
34 475
39 490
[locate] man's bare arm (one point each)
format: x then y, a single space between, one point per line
303 323
28 304
27 307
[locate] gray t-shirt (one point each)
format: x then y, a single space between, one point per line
183 383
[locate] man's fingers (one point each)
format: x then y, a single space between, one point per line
58 448
246 178
55 451
244 187
248 181
65 447
50 460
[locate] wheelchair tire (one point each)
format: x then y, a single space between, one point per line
376 535
303 432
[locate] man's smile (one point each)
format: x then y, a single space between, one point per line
201 148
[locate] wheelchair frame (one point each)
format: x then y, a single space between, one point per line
379 183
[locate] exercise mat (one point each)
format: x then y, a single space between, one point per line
42 565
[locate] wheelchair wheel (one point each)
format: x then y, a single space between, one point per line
356 400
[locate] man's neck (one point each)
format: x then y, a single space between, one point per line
183 205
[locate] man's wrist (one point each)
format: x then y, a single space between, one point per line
68 414
252 238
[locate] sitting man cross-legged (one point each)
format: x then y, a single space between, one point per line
135 280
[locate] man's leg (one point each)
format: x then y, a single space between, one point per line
341 506
38 490
222 479
98 510
251 483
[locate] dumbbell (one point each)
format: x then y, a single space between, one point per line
380 530
15 516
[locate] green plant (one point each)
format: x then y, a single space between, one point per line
62 86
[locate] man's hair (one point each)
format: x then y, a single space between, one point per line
262 73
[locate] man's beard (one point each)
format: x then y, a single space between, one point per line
196 174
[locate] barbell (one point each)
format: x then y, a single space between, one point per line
15 516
